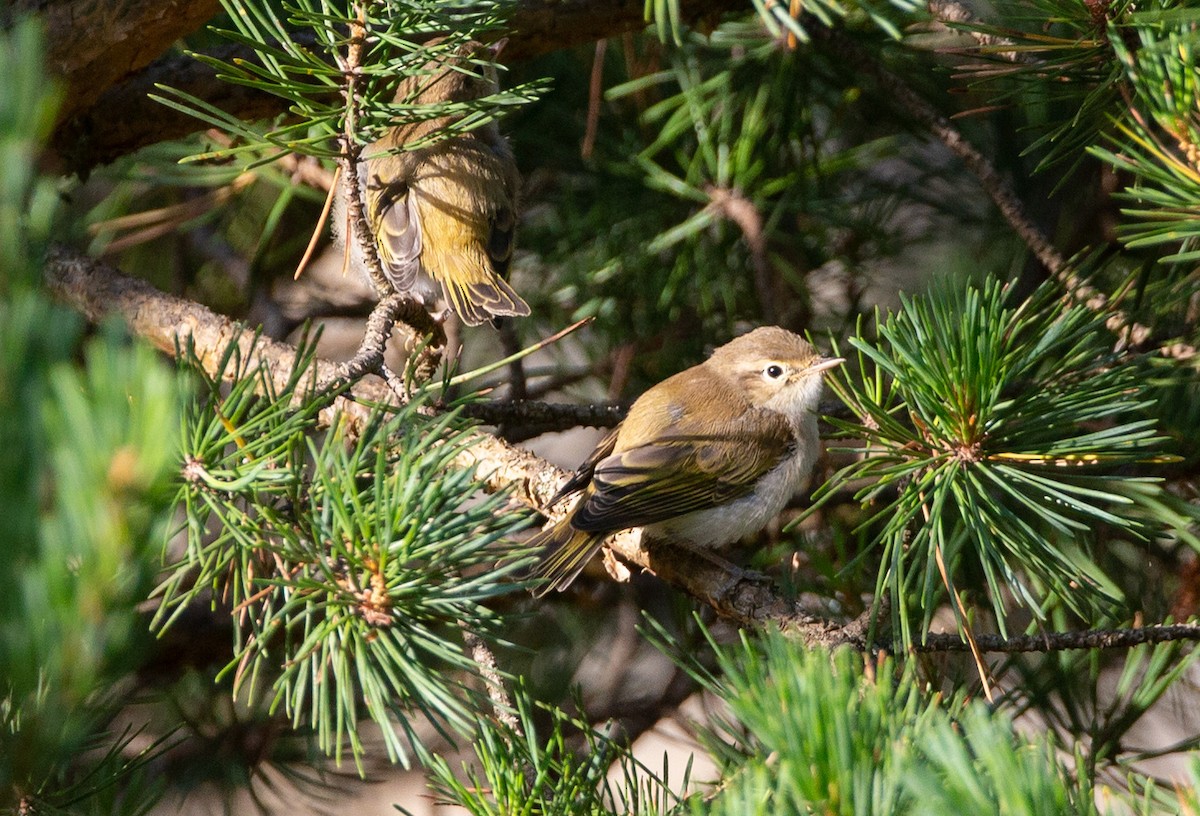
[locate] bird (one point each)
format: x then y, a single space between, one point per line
704 458
444 214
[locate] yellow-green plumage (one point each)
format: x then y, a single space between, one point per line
444 215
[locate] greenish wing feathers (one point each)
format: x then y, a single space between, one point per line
681 473
565 550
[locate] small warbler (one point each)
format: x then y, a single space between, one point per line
705 457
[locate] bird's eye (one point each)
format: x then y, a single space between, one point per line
773 371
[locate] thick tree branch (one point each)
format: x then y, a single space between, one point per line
111 120
745 597
92 44
123 118
98 291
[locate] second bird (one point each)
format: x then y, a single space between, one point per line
444 215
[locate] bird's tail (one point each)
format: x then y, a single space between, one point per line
461 262
481 300
564 552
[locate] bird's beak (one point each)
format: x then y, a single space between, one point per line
827 363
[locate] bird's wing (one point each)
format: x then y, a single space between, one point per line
491 295
397 225
682 471
583 474
502 220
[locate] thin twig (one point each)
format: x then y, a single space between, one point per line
396 383
358 229
369 358
392 306
546 416
994 185
1061 641
997 188
485 660
734 206
956 16
595 95
535 417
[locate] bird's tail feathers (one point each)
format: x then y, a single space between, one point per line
460 261
480 300
565 552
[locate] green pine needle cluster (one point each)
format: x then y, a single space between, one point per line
842 733
999 439
1012 451
85 495
27 110
534 769
789 19
1159 144
350 560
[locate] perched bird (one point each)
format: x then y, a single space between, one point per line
444 215
705 457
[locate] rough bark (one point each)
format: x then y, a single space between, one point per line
91 44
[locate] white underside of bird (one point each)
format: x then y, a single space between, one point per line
724 524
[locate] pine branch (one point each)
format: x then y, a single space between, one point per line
997 188
352 155
734 206
747 598
485 659
170 323
368 359
956 16
541 417
1061 641
93 45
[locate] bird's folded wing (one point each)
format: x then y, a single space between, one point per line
501 233
681 473
393 214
